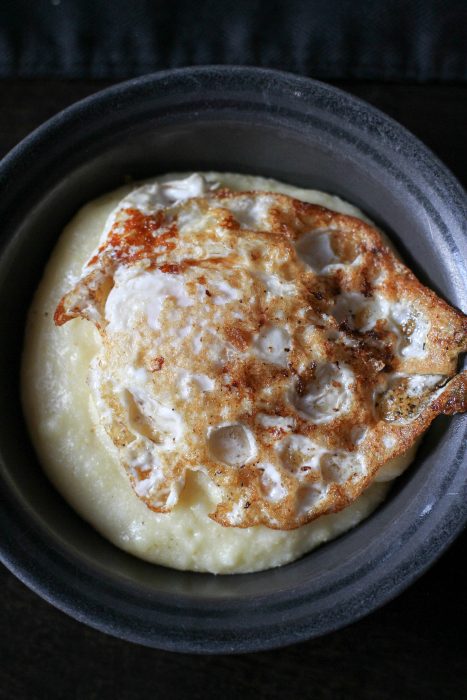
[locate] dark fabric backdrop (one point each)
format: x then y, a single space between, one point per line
393 40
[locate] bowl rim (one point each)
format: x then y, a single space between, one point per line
17 550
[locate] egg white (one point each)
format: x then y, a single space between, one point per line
82 462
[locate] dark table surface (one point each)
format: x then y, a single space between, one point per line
414 647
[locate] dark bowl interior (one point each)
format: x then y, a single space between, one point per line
250 121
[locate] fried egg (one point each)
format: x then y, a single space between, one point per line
277 347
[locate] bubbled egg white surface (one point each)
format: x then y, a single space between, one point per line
78 455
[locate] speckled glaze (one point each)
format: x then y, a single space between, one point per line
244 120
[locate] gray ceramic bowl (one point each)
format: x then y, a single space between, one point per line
253 121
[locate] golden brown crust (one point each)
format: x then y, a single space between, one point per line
319 356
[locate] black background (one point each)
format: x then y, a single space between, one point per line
330 39
410 60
